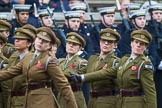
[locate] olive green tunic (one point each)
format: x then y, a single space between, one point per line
44 67
137 75
74 65
94 64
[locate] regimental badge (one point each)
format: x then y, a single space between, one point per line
149 67
142 36
44 33
107 34
72 37
18 33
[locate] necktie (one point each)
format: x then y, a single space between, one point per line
98 62
32 60
128 61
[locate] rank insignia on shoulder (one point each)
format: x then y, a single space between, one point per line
148 66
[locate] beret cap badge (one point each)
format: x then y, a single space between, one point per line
44 33
72 37
18 33
142 36
107 34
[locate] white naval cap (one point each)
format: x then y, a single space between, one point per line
78 6
21 7
132 6
137 13
72 14
146 5
107 10
155 7
44 12
6 15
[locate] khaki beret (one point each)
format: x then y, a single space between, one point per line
4 25
3 38
75 38
46 34
21 33
142 35
109 34
31 28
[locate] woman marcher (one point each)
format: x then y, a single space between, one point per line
14 89
134 75
3 64
39 68
73 63
102 93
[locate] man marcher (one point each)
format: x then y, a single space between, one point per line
137 21
107 18
155 50
72 24
82 8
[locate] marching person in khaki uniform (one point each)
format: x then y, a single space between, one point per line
134 75
3 64
5 28
73 64
39 68
23 40
102 93
3 59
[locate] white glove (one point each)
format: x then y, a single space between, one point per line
160 66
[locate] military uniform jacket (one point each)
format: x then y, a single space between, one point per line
44 68
75 65
3 61
8 50
104 85
108 62
137 75
17 82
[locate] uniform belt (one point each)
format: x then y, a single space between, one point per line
17 93
102 93
38 85
75 87
129 93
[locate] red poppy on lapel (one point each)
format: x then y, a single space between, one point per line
105 67
133 68
38 65
72 66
